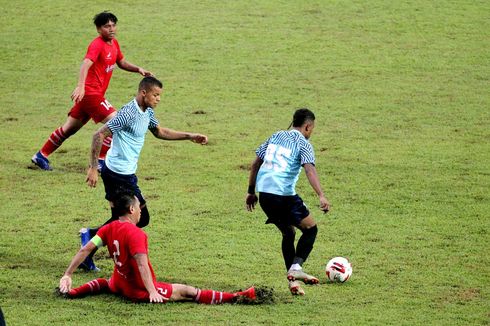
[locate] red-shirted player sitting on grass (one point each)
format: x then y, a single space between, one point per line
133 275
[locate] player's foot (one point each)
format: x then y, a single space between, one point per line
100 164
248 293
299 275
295 288
41 161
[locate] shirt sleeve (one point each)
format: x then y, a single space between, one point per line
262 149
101 235
93 50
153 121
307 154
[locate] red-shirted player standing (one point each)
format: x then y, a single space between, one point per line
102 56
133 275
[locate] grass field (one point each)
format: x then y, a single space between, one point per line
401 94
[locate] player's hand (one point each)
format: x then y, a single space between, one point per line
145 73
157 297
65 284
78 94
251 201
92 177
199 139
324 204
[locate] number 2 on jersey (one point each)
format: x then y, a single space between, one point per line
116 253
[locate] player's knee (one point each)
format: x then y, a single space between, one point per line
311 231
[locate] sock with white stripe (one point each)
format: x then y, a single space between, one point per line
213 297
54 141
96 286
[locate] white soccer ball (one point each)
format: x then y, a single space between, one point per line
338 269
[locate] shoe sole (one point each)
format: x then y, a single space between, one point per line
296 290
309 281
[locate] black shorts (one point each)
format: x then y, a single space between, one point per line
283 210
114 181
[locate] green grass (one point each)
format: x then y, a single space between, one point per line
400 91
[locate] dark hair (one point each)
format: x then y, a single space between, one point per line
123 198
301 116
148 82
103 18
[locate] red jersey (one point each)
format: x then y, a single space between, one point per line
124 240
104 56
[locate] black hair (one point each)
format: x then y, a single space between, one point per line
122 200
301 116
103 18
148 82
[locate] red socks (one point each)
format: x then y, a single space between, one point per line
54 141
213 297
96 286
105 147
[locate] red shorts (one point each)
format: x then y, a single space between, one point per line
93 107
139 295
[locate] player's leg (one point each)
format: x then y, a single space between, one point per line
303 249
181 292
55 140
97 286
301 218
305 243
278 213
287 245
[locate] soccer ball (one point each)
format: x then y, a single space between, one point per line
338 269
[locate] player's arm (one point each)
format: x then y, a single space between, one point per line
251 199
65 281
128 66
97 140
144 269
79 92
169 134
312 176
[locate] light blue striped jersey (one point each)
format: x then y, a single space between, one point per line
284 153
128 127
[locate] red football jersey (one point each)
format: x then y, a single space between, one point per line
104 56
124 240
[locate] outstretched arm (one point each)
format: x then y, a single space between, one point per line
144 269
312 176
79 92
65 281
97 140
251 199
128 66
169 134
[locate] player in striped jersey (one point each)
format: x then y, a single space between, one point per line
128 129
274 174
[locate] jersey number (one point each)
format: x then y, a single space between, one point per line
162 291
275 158
106 104
116 253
